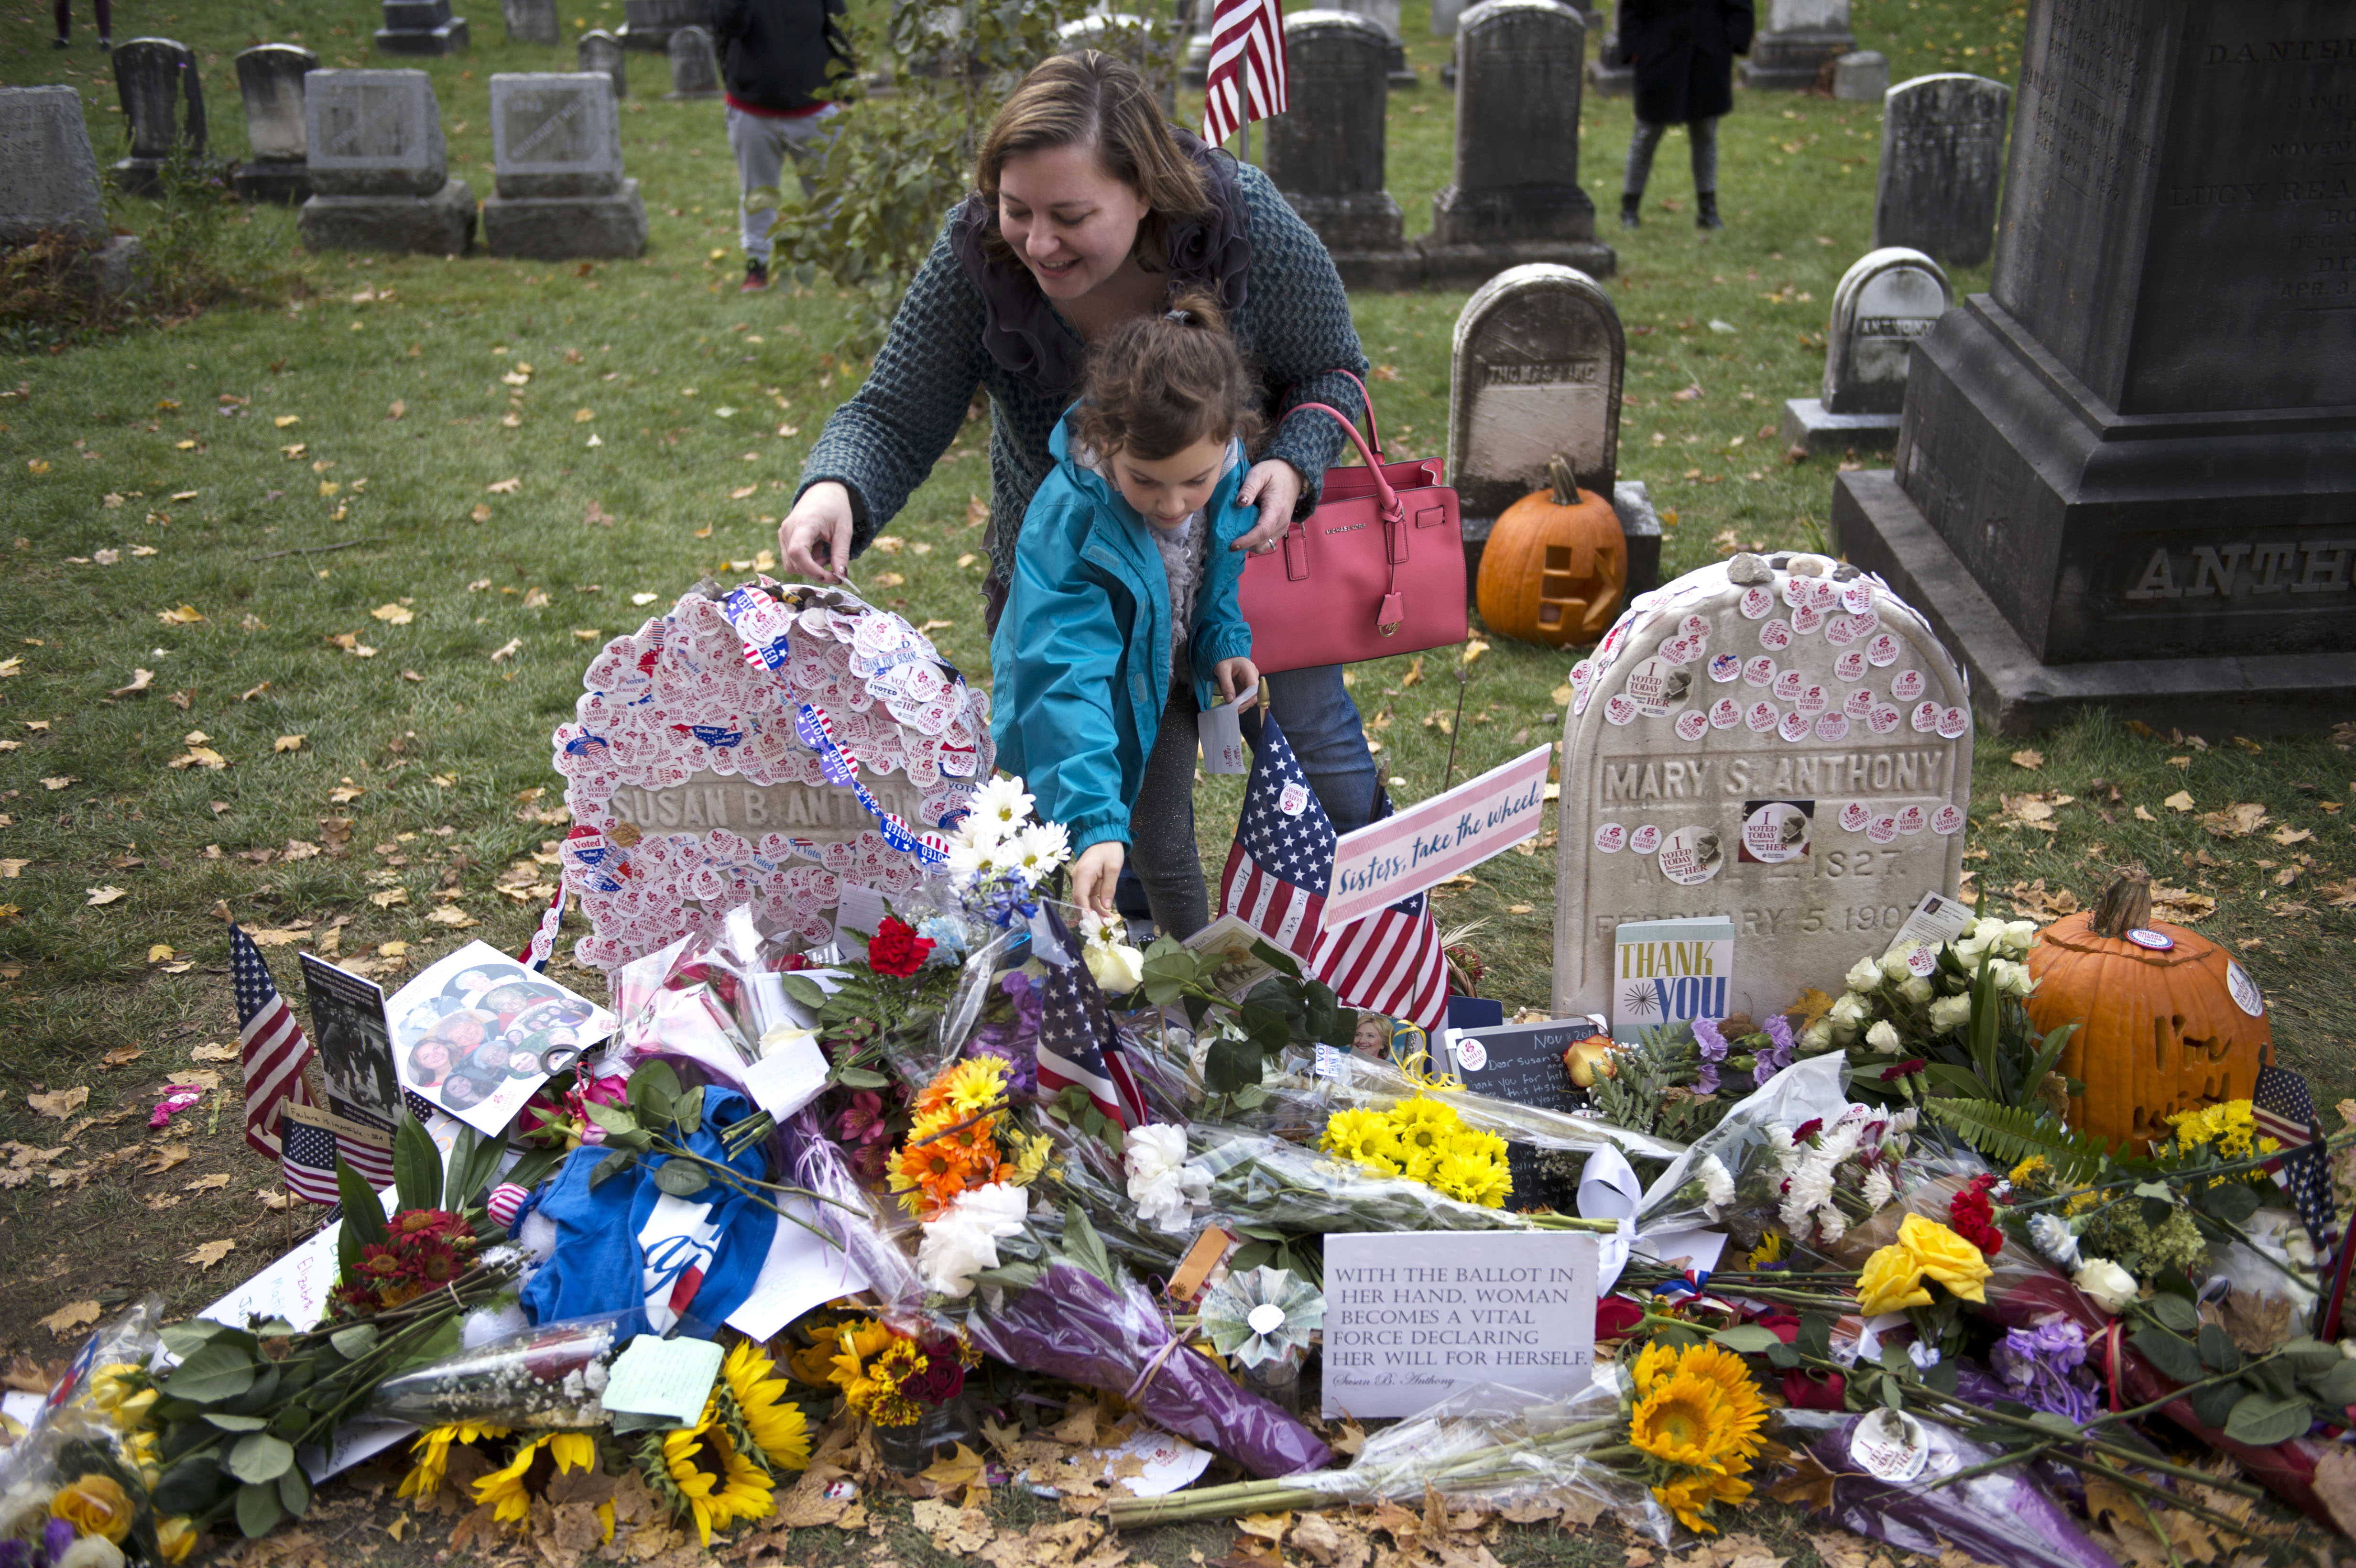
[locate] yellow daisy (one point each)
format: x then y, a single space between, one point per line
1422 1126
775 1424
720 1484
1472 1178
974 1085
1354 1134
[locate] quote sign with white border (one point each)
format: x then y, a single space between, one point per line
1429 842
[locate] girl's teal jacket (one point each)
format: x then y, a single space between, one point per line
1080 667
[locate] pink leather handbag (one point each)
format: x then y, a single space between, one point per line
1377 569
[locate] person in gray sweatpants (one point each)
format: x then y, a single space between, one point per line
776 59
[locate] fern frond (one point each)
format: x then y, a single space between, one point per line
2010 1134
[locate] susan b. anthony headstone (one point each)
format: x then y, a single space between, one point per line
694 70
164 107
1941 162
1325 151
270 78
556 144
421 27
1515 197
1886 302
602 51
1535 371
379 171
1779 741
531 21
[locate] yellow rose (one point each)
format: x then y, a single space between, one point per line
1944 1256
176 1538
95 1505
1891 1282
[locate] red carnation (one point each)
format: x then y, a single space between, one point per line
1904 1069
1806 1130
897 949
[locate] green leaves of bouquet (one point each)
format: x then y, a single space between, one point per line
657 1121
1286 1008
2260 1400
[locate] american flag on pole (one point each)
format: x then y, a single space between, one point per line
1078 1044
1245 79
272 1047
1389 961
2285 1112
310 1160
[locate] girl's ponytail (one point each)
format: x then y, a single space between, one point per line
1155 387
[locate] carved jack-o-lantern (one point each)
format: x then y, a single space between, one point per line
1555 565
2168 1021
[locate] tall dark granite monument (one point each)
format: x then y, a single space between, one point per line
1325 151
2127 473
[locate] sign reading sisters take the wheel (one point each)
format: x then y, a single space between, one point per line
1775 750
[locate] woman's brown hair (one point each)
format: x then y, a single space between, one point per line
1156 386
1094 99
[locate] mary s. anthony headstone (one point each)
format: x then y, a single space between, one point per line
270 78
1325 151
1885 304
380 173
49 185
602 51
649 23
1535 371
531 21
1515 197
163 107
1778 742
1795 41
556 143
694 71
2128 473
421 27
1942 159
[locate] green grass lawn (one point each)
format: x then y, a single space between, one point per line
404 499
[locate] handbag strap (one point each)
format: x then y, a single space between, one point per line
1374 436
1392 510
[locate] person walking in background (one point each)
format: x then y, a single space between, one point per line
777 57
1683 52
62 11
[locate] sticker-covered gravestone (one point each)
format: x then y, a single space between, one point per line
1774 741
770 748
1889 299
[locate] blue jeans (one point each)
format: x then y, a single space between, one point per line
1321 723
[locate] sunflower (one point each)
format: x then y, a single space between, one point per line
1689 1494
510 1491
855 1342
1686 1421
1745 1411
433 1451
776 1425
1654 1366
718 1485
1770 1250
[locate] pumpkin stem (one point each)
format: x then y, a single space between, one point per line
1565 486
2124 905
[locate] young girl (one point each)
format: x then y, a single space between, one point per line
1121 622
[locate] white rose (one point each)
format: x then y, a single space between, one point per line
1950 1012
2051 1235
1717 1186
1978 940
1817 1036
92 1551
1850 1011
963 1240
2105 1284
1916 990
1884 1037
1864 975
2021 935
1164 1189
1118 966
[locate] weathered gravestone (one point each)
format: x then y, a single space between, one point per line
1535 371
1862 77
1795 41
270 78
556 144
1775 741
1890 299
694 70
531 21
1942 159
421 27
1515 197
162 98
1386 13
48 177
1129 37
1325 151
649 23
379 172
602 51
2127 473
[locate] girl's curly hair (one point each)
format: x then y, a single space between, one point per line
1154 388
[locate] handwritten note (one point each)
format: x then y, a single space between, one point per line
1425 845
667 1378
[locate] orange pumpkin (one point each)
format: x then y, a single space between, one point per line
2168 1021
1555 565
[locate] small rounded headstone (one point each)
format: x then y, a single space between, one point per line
1861 77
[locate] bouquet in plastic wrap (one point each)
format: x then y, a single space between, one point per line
77 1480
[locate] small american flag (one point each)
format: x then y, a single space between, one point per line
2283 1111
1247 78
272 1048
310 1160
1078 1044
1390 961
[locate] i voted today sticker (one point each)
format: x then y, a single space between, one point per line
1788 685
1756 603
1906 685
1953 724
1611 838
1725 713
1857 597
1620 709
2157 941
1885 720
1806 620
1882 651
1775 636
1831 727
1294 800
1850 665
1724 669
1762 716
1841 631
1854 816
1882 830
1926 718
1645 839
1759 671
1947 821
1860 704
1795 727
1471 1056
1692 724
1815 699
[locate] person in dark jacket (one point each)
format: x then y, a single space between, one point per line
778 57
1684 54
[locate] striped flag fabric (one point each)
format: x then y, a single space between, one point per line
1079 1046
542 946
310 1160
2284 1110
1390 961
1246 77
272 1047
